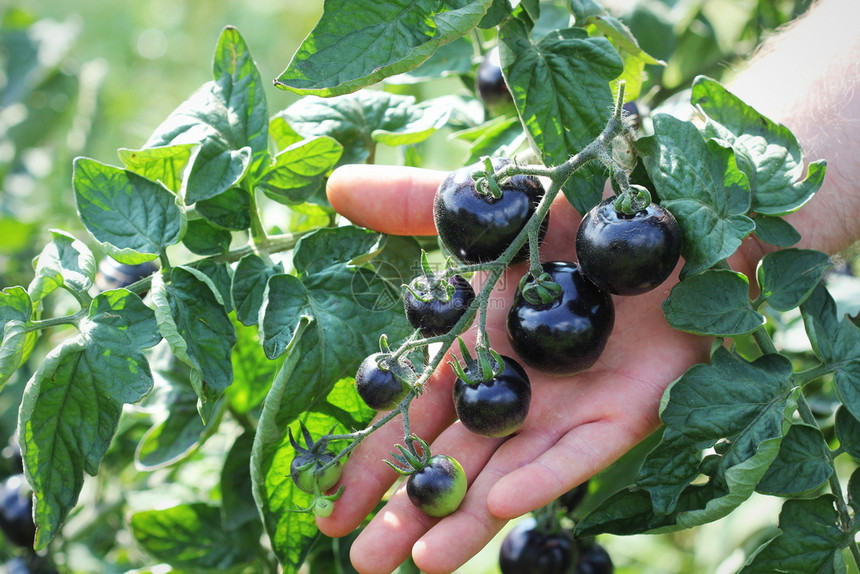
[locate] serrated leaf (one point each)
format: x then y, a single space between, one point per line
837 343
381 39
728 400
296 173
134 218
16 310
848 431
802 465
699 182
452 59
810 536
714 302
194 322
788 276
72 404
203 238
187 536
165 164
358 121
775 230
561 89
249 285
64 262
775 159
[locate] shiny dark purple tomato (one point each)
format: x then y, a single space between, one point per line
439 488
16 511
570 500
438 317
477 228
594 559
377 385
527 550
567 335
628 254
113 275
490 83
497 407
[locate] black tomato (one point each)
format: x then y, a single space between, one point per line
377 386
594 559
477 228
628 254
490 83
497 407
527 550
16 511
567 335
113 275
571 499
439 488
437 317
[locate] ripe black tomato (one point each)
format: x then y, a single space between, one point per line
490 83
477 228
437 317
567 335
527 550
497 407
16 511
570 500
439 488
113 275
377 386
628 254
593 559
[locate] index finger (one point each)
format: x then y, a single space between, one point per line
391 199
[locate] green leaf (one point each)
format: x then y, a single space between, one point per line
239 510
229 210
802 465
775 230
16 309
810 537
699 182
729 400
192 318
788 276
133 218
561 89
297 172
72 404
202 238
249 285
501 136
253 372
773 158
177 435
714 302
847 428
452 59
382 38
163 164
188 536
65 262
358 121
836 343
854 491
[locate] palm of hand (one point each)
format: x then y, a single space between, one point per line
576 427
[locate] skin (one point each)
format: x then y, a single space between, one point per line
579 425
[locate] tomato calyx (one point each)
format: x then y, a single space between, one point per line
485 180
485 366
410 460
314 468
539 289
632 200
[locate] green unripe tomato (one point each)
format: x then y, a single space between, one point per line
304 470
323 507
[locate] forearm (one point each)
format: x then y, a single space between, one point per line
807 77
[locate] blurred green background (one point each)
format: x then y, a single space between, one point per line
86 77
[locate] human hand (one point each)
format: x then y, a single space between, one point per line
576 426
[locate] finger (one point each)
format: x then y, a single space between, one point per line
392 534
390 199
366 478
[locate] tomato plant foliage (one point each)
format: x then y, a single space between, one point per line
265 304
